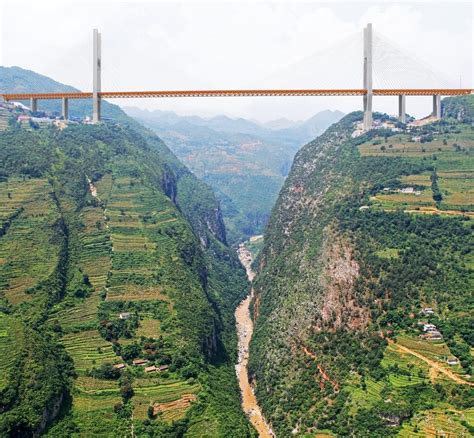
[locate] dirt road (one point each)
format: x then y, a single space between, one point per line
432 363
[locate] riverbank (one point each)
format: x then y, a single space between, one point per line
244 325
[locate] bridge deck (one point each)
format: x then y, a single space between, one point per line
241 93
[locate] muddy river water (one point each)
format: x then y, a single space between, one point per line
244 326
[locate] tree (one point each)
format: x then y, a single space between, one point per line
106 371
126 391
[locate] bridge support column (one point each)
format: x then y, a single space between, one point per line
96 76
437 106
368 77
65 108
401 108
33 105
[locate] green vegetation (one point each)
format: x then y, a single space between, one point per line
346 270
112 251
448 185
244 162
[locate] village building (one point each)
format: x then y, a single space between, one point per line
119 366
429 327
434 335
125 315
163 367
452 361
150 369
427 311
139 362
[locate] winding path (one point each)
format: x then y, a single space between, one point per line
244 325
432 363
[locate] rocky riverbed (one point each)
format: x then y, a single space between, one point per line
244 326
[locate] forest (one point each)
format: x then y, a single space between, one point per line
354 283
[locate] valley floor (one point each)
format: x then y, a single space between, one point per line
244 325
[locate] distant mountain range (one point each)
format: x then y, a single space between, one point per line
245 161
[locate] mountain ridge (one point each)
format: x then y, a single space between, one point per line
116 252
353 267
243 162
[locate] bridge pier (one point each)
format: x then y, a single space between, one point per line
401 108
436 106
33 104
368 121
65 108
96 76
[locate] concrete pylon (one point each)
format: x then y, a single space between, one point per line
96 76
65 108
33 105
368 76
401 108
437 106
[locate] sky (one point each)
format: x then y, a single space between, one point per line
156 45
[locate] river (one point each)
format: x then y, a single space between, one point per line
244 325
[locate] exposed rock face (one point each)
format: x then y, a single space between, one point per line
49 414
293 259
307 277
340 308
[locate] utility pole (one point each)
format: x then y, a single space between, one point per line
96 76
368 76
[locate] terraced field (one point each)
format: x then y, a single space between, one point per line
149 328
5 116
369 396
458 189
120 246
29 250
133 224
440 422
11 340
170 398
435 350
96 417
88 349
405 371
452 154
403 144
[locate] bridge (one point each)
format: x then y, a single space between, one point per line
367 92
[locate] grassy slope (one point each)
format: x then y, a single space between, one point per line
332 277
132 249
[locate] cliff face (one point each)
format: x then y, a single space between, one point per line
294 257
343 268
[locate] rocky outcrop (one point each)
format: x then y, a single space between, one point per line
340 307
49 414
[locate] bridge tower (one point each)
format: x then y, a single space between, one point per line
368 76
96 76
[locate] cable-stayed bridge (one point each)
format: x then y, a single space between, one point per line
384 64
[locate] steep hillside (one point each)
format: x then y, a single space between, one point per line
111 251
364 289
245 163
19 80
